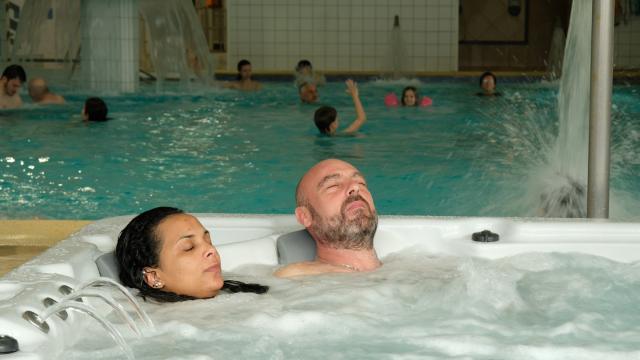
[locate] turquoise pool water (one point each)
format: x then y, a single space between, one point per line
211 150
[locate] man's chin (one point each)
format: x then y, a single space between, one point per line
357 213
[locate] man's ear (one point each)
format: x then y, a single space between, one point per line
303 215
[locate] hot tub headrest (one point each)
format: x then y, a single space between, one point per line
291 247
296 246
107 265
255 251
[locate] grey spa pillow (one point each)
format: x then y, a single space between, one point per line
296 246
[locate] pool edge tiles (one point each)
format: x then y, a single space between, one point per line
21 240
632 76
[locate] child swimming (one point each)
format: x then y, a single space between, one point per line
326 117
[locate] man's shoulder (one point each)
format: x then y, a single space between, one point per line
305 268
52 98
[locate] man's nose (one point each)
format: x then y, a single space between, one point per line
354 188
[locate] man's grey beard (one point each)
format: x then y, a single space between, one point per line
339 232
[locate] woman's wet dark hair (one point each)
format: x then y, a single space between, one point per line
323 117
139 247
96 109
242 63
404 91
488 73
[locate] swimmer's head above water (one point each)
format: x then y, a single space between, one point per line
488 82
244 70
95 109
304 67
12 78
308 93
409 96
326 120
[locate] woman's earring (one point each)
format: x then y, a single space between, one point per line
157 284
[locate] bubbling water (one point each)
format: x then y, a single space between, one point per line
533 306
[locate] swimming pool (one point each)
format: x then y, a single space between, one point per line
210 150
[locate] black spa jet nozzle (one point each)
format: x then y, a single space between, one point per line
485 236
8 344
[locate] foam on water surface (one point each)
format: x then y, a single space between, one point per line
529 306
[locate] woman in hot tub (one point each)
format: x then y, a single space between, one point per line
168 255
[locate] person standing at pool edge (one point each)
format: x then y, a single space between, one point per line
336 207
326 117
11 80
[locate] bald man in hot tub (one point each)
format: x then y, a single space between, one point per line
336 207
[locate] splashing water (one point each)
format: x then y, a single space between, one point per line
565 195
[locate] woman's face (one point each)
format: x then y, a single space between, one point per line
409 98
488 83
189 264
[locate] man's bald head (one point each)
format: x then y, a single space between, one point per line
314 174
334 204
37 88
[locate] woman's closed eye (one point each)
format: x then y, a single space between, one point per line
187 245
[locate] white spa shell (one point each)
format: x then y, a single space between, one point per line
251 239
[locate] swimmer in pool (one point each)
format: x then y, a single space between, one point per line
336 207
308 93
488 82
11 81
94 109
40 94
168 255
305 74
244 81
409 96
326 117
